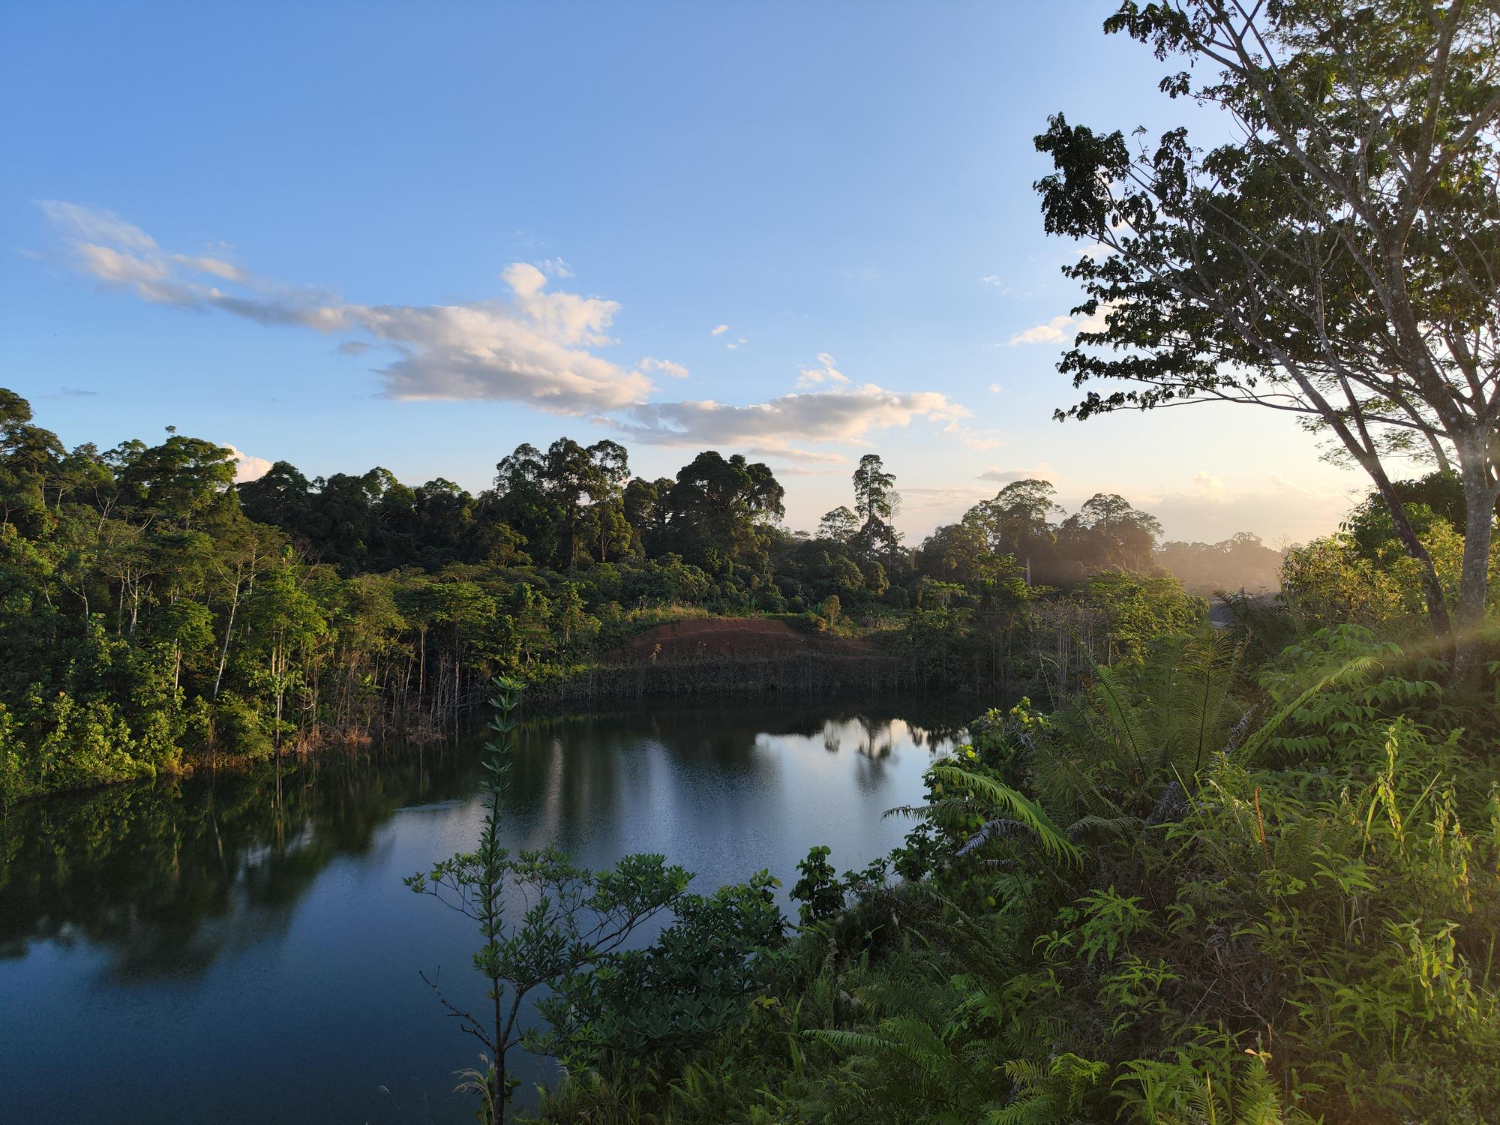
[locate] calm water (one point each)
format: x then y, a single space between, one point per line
244 951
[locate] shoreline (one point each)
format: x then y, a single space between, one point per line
742 678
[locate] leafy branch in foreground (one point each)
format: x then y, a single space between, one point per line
566 932
565 918
1336 260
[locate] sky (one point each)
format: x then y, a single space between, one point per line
418 235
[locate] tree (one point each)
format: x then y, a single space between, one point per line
1017 520
287 621
522 503
875 494
646 511
717 508
178 480
1338 260
875 502
579 479
28 456
279 497
570 919
840 525
1108 533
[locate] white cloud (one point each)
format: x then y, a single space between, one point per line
536 346
533 348
992 279
826 372
665 366
554 267
524 279
1053 332
846 415
247 467
1061 329
1042 471
720 330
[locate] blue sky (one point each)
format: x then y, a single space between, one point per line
418 235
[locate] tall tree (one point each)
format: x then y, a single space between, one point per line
1339 259
875 502
522 503
1018 520
718 507
647 512
1108 533
178 480
875 495
29 455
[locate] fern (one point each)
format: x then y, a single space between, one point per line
1054 842
1357 666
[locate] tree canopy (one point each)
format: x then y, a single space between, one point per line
1337 260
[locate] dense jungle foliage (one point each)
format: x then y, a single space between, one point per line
1248 874
155 614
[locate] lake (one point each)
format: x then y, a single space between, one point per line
242 949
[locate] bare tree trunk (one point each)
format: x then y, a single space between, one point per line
1432 589
228 631
1480 496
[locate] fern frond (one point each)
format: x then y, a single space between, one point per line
1253 745
1020 807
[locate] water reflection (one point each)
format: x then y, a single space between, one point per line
149 870
273 900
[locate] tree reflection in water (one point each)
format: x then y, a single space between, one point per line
172 873
253 921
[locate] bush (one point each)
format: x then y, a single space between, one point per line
239 728
1197 890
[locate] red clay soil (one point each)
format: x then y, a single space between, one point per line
733 636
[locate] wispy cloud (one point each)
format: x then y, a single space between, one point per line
845 416
1041 471
665 366
944 499
533 348
537 346
824 373
720 330
71 392
1060 329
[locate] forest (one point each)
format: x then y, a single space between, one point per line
157 616
1222 841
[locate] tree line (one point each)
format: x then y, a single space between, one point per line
152 608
